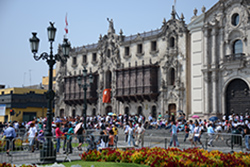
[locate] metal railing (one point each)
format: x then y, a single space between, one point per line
21 152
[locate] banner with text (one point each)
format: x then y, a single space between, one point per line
2 109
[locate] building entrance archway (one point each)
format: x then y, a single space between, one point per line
153 112
237 97
139 110
108 109
61 114
172 109
126 111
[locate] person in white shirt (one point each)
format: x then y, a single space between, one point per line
230 117
197 134
224 117
140 135
191 132
126 132
130 132
32 133
210 132
218 129
150 118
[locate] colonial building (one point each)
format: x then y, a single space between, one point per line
201 68
24 102
219 56
146 72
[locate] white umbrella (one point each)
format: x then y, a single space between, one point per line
77 127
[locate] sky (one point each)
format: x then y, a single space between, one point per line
87 19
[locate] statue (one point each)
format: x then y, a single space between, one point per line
111 26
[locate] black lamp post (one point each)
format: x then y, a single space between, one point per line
85 87
48 153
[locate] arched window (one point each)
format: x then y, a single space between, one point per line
235 19
237 47
127 110
171 76
139 110
172 42
108 79
153 111
108 53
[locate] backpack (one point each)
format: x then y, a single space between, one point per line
103 126
105 138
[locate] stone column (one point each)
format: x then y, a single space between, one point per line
222 54
213 48
99 91
214 70
215 93
162 102
222 44
205 46
206 66
206 90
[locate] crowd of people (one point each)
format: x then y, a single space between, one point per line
133 127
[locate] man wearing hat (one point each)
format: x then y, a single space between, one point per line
10 134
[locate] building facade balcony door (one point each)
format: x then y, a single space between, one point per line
237 97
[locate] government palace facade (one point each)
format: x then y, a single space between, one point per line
201 68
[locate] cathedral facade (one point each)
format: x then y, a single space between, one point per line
219 56
201 68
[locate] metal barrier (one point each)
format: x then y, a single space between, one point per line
21 151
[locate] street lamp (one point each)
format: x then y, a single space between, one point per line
85 86
48 153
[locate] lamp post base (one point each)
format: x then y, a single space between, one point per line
48 154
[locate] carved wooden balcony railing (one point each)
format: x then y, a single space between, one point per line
137 83
75 95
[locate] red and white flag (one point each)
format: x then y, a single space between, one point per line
66 27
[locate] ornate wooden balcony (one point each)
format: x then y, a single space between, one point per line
75 95
137 83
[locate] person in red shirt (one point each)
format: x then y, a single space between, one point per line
59 133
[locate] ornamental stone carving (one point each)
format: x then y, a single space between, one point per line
109 49
226 72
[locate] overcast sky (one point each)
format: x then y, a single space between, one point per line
87 20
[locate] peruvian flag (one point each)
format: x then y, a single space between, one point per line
106 96
66 27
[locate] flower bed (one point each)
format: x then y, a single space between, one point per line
158 157
10 165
